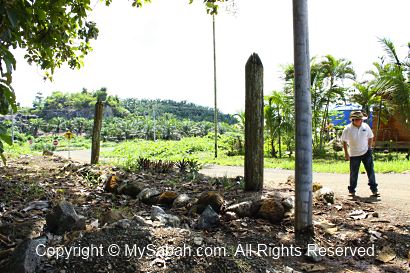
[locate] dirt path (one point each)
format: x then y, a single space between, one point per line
394 188
83 156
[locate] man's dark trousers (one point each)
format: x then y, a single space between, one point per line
367 160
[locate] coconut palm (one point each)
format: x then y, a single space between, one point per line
394 81
334 71
79 125
279 118
57 123
35 125
365 95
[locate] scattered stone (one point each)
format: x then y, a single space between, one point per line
244 209
64 218
208 219
316 186
167 198
375 214
289 203
291 180
271 209
25 258
288 269
142 221
131 189
123 223
198 241
47 153
148 196
110 216
358 214
211 198
376 234
386 255
327 227
71 167
110 182
230 216
37 205
181 201
312 254
158 214
326 195
312 268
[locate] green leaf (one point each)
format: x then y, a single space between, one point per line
6 138
12 15
3 158
3 129
8 59
7 97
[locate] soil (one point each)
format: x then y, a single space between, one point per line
247 244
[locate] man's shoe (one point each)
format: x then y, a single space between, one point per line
375 194
352 194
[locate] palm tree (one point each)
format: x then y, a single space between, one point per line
270 120
333 71
35 125
58 124
276 114
365 96
394 80
79 125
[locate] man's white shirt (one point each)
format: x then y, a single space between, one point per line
357 138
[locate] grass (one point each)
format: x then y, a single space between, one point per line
18 149
125 154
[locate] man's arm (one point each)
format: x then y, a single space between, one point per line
370 143
347 157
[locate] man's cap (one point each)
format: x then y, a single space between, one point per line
357 115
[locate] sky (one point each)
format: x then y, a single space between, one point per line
164 49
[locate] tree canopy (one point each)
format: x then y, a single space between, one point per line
51 33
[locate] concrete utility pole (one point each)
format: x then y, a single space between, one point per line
303 155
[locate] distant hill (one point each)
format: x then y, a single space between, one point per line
81 104
181 110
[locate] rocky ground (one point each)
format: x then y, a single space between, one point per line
61 216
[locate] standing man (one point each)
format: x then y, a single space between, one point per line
359 137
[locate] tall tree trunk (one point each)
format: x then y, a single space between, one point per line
95 148
323 126
279 134
314 120
303 157
254 124
272 144
215 101
378 121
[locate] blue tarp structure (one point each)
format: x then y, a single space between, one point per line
339 114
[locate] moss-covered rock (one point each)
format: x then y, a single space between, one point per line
167 198
271 209
214 199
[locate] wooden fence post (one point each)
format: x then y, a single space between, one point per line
254 124
95 148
